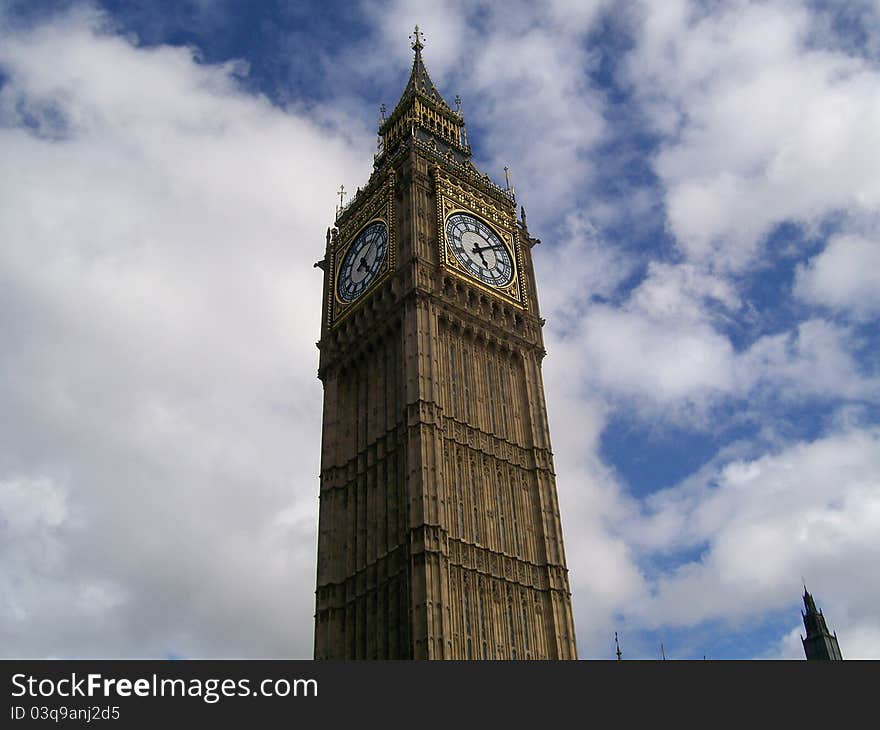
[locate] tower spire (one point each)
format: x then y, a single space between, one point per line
809 603
419 81
422 112
819 643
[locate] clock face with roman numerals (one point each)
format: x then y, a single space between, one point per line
479 249
361 262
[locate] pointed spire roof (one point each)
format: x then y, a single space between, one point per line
419 80
809 603
819 643
423 115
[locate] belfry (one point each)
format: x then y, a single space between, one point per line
439 534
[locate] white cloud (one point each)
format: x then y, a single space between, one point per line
844 276
683 293
663 356
814 360
661 346
603 572
158 310
811 509
579 266
759 127
635 355
664 352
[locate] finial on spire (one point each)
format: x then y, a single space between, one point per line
341 194
507 181
379 140
458 105
417 37
617 644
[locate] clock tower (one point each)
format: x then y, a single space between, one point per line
439 534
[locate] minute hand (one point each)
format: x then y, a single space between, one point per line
477 248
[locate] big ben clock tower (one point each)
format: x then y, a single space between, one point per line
439 534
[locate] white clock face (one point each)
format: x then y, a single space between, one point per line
479 249
361 262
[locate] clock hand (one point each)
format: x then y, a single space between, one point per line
486 248
482 258
363 263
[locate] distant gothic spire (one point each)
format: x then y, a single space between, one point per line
809 603
819 643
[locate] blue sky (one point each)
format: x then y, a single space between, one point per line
703 176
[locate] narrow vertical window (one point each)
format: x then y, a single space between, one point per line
392 498
515 401
483 627
460 487
502 398
474 501
490 387
500 507
510 624
467 624
513 517
453 395
465 382
525 623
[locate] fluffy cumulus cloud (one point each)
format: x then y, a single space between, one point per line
757 124
160 436
761 123
761 525
663 351
845 276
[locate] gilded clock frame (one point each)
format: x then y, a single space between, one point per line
379 207
455 198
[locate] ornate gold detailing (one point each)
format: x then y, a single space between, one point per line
421 108
452 197
340 303
377 207
341 194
